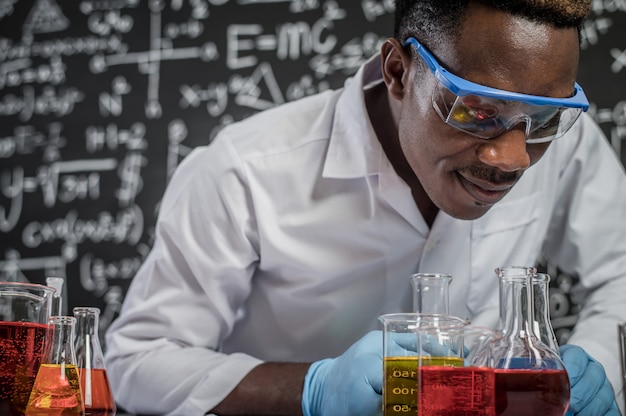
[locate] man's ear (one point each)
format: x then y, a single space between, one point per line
395 67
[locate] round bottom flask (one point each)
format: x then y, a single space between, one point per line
530 377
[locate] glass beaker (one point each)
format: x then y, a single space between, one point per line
24 312
94 381
56 390
431 292
401 357
456 374
530 376
541 301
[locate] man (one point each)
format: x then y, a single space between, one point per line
280 244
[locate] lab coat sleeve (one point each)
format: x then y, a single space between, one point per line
162 352
587 238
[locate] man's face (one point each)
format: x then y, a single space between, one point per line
464 175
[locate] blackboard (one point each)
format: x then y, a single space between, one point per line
100 100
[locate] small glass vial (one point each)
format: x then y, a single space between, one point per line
56 390
94 382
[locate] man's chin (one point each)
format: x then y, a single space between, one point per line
468 213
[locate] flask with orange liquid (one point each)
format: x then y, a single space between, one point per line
95 387
56 390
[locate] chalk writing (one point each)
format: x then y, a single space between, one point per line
100 101
620 60
125 227
26 139
593 30
608 6
95 273
50 101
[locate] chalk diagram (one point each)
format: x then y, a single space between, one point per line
45 17
161 49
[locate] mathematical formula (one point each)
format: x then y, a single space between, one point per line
100 101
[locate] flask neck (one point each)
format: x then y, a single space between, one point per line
542 324
87 321
516 303
88 350
60 341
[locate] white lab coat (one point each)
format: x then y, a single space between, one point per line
288 236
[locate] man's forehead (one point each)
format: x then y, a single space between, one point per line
512 53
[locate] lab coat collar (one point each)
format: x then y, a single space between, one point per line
354 150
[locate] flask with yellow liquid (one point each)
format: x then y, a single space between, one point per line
56 390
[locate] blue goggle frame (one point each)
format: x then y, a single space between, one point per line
534 107
462 87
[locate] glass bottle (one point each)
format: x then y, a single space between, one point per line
530 376
94 382
56 390
543 324
430 293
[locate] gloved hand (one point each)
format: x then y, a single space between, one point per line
591 394
350 384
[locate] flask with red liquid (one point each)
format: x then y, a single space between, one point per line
530 376
95 387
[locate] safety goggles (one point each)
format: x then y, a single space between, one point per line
487 112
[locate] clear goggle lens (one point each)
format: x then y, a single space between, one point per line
487 117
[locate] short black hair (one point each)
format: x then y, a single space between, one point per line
432 21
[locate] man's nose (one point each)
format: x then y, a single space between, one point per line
506 152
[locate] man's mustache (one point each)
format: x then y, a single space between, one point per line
491 175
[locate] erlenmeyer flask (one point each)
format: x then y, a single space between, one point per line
56 390
530 377
543 325
430 292
94 381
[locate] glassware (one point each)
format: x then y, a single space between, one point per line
56 390
401 355
430 292
542 323
622 346
24 312
530 377
94 381
57 299
456 374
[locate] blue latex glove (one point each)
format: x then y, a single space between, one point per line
350 384
591 394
